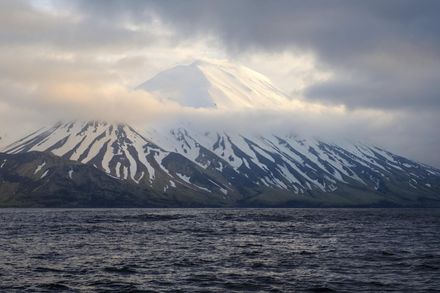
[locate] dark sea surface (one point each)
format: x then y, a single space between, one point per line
220 250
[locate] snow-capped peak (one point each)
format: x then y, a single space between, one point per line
216 84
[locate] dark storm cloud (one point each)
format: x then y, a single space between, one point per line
23 24
398 91
385 54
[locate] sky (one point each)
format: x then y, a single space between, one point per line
371 67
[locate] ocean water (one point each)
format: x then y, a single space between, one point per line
220 250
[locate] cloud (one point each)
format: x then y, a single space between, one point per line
404 91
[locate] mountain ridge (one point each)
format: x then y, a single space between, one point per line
231 168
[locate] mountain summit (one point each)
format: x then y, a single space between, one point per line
216 84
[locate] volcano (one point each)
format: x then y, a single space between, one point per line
184 166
